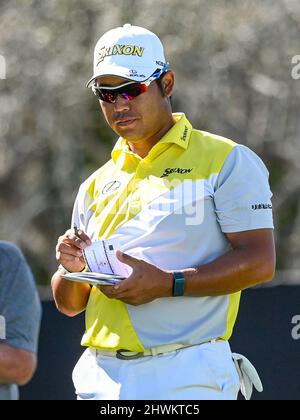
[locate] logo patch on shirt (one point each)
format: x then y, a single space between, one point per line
185 134
262 206
181 171
110 187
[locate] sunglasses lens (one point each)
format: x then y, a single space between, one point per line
105 95
127 92
133 91
108 96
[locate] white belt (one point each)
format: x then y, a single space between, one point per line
153 351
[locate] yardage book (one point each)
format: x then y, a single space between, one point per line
102 264
94 279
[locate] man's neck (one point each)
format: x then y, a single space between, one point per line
143 147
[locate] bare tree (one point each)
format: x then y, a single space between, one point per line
233 65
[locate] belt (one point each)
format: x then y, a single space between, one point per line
153 351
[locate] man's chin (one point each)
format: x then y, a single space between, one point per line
128 133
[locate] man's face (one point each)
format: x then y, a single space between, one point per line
139 119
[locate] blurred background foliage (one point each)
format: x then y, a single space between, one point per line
233 63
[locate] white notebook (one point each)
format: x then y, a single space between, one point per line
100 257
103 265
94 279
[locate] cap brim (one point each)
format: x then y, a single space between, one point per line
139 75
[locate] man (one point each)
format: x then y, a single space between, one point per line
20 313
192 212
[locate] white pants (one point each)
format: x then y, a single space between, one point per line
204 372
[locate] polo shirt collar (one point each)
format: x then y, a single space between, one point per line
180 132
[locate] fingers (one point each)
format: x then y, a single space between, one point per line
108 291
69 249
81 240
112 293
128 295
64 258
128 259
81 235
119 290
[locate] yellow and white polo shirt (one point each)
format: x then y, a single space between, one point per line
171 209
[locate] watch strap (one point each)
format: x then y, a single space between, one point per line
178 283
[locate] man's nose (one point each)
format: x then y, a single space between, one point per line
121 104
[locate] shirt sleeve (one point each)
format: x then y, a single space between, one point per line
79 209
20 305
242 195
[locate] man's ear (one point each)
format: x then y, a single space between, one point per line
168 83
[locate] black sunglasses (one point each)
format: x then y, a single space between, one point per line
128 90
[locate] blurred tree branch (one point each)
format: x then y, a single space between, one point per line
232 62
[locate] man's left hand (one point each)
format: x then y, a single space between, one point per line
145 283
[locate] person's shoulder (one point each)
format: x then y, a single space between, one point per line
10 252
16 272
223 146
244 158
210 150
212 141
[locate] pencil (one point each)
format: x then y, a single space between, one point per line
76 230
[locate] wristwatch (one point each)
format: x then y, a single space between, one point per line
178 283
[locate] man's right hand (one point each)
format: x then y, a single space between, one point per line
69 250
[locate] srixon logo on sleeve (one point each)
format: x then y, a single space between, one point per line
261 206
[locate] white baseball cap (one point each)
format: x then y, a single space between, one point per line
129 51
